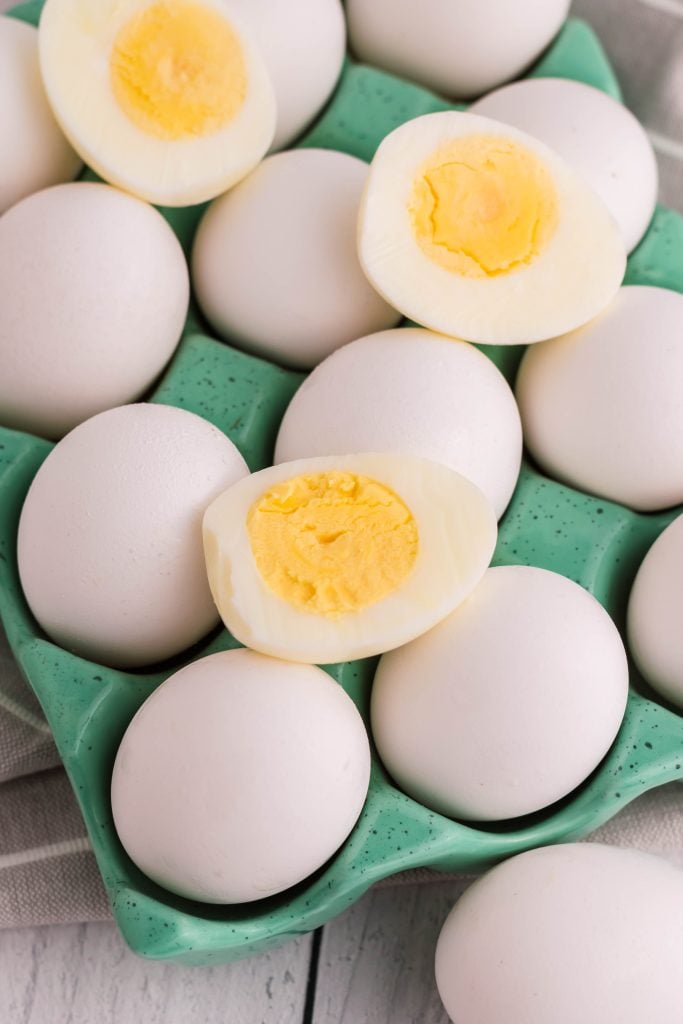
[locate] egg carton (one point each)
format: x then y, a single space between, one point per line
596 543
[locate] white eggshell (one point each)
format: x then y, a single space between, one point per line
594 133
565 934
461 49
508 704
110 540
275 265
302 43
239 777
94 290
35 154
602 406
655 636
414 391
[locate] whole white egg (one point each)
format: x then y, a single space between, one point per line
594 133
239 777
94 290
302 43
35 153
110 535
655 637
275 266
564 934
602 406
508 704
460 49
410 390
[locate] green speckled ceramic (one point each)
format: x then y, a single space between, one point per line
595 542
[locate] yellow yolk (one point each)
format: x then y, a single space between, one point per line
330 543
483 206
178 71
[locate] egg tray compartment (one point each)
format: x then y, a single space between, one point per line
594 542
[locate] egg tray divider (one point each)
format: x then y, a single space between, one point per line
594 542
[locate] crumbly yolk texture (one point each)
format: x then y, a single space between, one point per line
483 206
178 70
332 543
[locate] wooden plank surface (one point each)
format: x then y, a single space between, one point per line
375 966
376 962
84 974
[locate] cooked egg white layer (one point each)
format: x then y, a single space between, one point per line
476 230
330 559
168 99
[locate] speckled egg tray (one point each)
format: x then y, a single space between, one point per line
597 543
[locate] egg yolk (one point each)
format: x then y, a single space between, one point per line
178 71
332 543
482 206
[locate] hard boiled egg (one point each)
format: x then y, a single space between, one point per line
654 614
410 390
461 49
275 265
110 541
506 705
565 934
168 99
94 290
335 558
477 230
303 43
239 776
602 407
35 153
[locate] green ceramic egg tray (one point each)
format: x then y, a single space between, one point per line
595 542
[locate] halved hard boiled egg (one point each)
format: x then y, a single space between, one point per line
335 558
168 99
479 231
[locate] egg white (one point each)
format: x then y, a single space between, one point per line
75 43
457 535
569 282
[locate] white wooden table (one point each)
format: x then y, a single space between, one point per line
372 965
